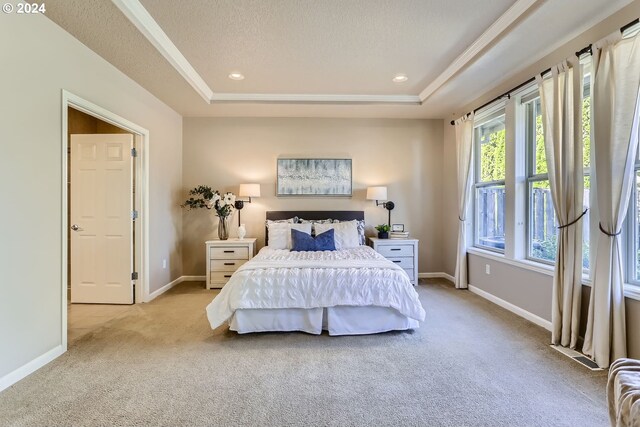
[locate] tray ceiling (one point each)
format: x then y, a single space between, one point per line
327 48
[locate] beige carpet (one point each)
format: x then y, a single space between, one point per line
470 364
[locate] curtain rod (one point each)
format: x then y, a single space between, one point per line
586 49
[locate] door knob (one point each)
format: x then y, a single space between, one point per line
75 227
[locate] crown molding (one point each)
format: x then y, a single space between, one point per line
315 98
144 22
512 14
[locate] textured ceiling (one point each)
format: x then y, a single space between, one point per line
329 46
325 47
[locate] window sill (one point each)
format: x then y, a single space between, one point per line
526 264
630 291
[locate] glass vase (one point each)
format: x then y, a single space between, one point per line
223 228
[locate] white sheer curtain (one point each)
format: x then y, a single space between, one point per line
616 69
464 150
561 100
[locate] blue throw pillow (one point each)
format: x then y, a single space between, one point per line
301 241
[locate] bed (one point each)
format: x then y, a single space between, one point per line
349 291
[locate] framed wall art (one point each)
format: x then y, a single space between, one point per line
314 177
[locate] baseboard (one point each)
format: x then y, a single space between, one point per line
438 275
164 289
37 363
512 308
170 285
193 278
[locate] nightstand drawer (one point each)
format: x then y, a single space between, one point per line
402 252
226 265
220 277
230 252
226 256
392 251
402 262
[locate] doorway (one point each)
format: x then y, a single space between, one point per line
101 188
104 220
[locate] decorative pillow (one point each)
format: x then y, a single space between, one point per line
304 242
293 220
361 229
280 233
346 233
313 223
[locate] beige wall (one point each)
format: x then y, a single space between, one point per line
531 291
524 288
39 60
449 201
405 155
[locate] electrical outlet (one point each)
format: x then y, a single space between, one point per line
164 263
487 268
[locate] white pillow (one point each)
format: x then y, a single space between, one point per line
345 233
280 233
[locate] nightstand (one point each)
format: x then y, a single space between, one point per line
403 252
226 256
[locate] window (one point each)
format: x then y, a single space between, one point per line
586 159
633 230
542 241
489 206
542 225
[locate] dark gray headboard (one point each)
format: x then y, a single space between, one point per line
312 215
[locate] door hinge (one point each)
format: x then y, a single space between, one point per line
134 152
134 215
134 275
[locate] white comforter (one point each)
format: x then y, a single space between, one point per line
284 279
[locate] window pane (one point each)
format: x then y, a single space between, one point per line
585 223
586 131
490 216
543 227
490 139
540 165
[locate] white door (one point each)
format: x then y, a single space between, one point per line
100 219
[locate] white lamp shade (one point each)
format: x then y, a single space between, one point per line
377 193
249 190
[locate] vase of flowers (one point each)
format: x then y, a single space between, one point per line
204 197
223 228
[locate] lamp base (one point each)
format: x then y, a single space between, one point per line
389 206
239 204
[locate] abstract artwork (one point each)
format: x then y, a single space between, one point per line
314 177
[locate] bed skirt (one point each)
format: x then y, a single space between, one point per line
340 320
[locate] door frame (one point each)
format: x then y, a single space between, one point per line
141 225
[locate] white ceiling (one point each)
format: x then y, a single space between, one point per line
326 47
329 46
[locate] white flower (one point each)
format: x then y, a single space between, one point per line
229 199
208 204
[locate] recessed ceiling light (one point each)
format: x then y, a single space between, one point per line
400 78
236 76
